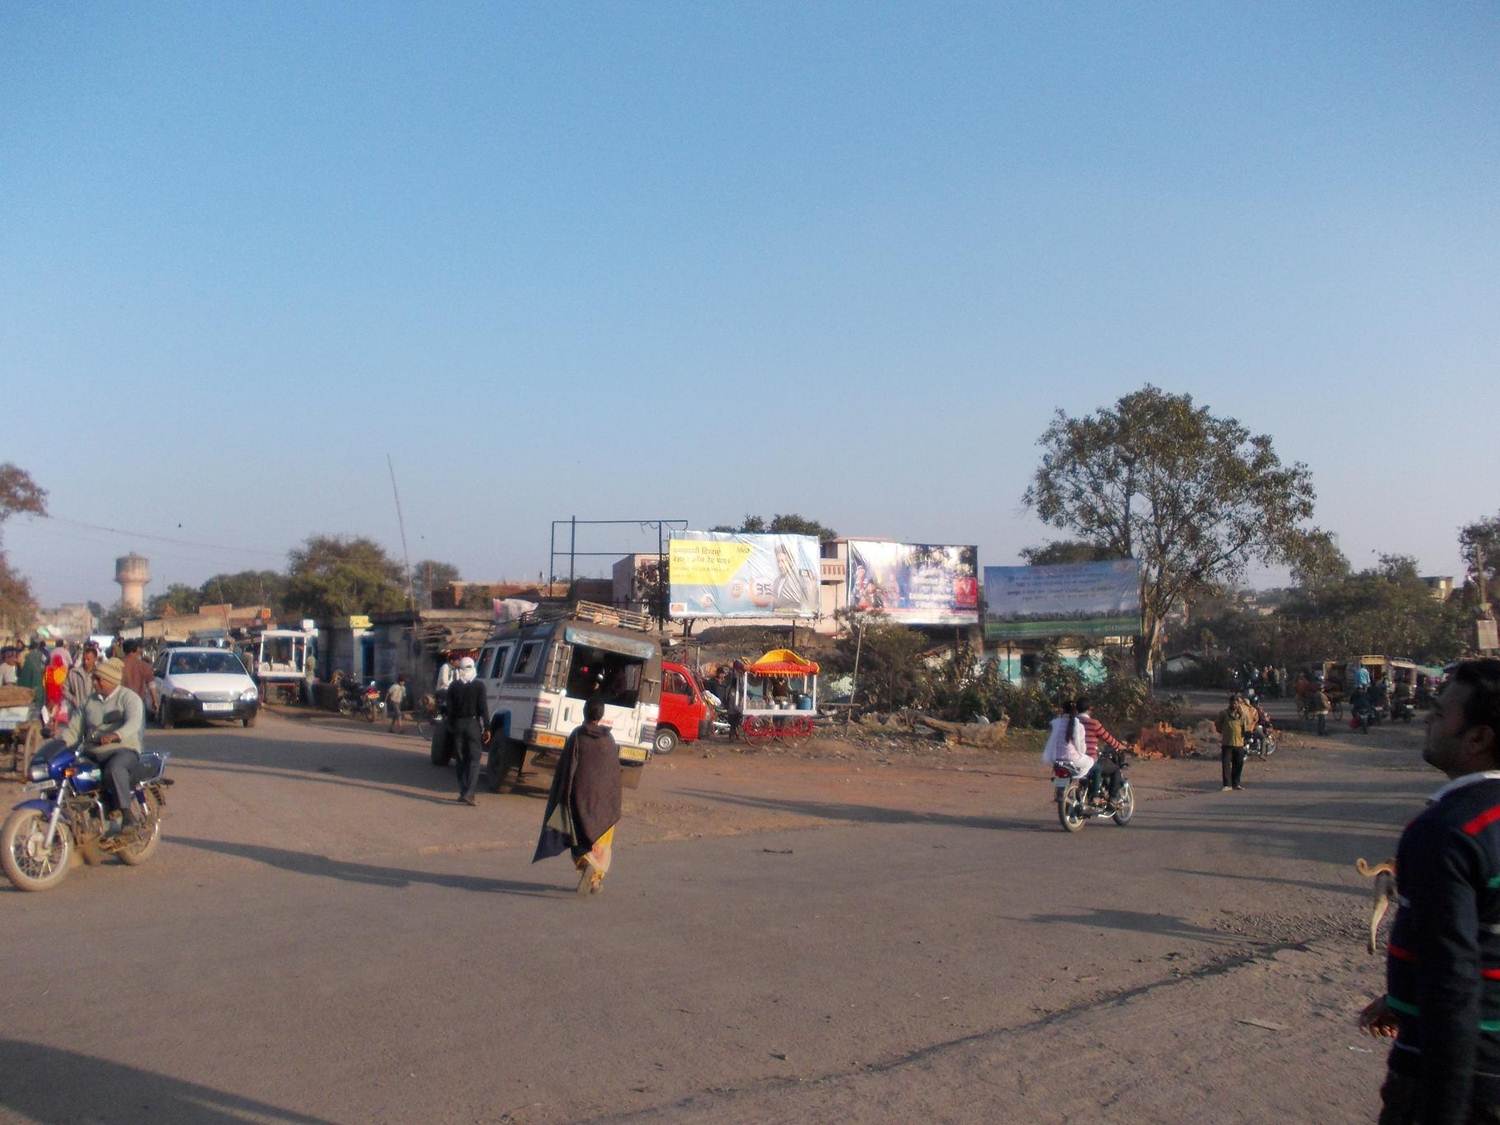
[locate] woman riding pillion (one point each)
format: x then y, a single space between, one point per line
1068 746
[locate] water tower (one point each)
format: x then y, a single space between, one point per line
132 572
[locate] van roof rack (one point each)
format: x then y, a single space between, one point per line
601 614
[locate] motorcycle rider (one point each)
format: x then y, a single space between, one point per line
109 727
1067 744
1105 769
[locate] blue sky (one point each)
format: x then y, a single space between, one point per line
689 260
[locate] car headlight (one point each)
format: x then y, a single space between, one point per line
181 693
37 771
249 695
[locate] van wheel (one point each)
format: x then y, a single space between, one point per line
665 742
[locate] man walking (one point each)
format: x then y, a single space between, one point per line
395 696
468 714
1442 1003
1235 721
138 675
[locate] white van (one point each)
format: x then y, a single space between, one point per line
538 674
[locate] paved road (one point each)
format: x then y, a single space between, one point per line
327 936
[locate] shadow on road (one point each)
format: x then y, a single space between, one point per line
1138 922
303 863
872 814
347 761
51 1084
1304 884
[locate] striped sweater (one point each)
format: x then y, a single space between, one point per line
1443 961
1094 733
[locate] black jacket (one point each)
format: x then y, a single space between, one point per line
468 701
1443 961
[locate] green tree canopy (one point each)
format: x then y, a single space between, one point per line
245 588
335 576
429 575
787 524
1065 551
18 494
176 598
1193 497
1481 539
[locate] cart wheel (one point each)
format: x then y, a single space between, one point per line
756 727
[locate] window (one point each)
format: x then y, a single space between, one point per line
612 675
496 669
528 660
206 663
676 683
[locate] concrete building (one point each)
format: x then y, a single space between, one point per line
72 621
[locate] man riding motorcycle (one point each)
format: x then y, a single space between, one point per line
109 728
1068 745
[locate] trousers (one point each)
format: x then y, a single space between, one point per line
468 743
1400 1103
1232 764
117 765
1108 773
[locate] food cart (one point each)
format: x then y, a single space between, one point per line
776 696
20 729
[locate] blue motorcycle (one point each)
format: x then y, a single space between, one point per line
40 835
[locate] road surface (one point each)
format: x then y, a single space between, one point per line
325 935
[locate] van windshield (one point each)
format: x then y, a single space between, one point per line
613 675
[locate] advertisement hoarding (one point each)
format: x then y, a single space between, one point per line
1100 599
915 583
726 574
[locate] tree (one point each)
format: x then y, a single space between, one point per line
246 587
1065 551
176 598
1193 497
891 673
788 524
1481 540
654 583
19 494
429 575
336 576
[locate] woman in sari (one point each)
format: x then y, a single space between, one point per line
584 805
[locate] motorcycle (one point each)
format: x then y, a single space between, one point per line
371 705
1075 809
1363 715
38 838
1261 742
1402 711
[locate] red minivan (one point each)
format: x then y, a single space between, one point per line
685 715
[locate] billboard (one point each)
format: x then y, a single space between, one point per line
1100 599
726 574
915 583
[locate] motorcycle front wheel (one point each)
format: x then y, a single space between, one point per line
27 864
1125 807
1070 809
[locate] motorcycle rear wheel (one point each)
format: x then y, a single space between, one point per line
1070 810
20 844
148 836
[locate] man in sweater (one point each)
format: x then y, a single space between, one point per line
1105 770
1442 1003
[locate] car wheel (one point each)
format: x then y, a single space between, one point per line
164 715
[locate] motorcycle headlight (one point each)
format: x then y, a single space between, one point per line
37 771
181 693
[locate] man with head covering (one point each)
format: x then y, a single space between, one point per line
109 727
584 805
468 715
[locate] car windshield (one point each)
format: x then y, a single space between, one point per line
199 663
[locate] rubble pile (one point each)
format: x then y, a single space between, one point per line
1165 741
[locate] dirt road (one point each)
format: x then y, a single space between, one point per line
327 935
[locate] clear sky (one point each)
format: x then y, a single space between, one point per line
696 260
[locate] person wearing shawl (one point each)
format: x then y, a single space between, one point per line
53 691
584 805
